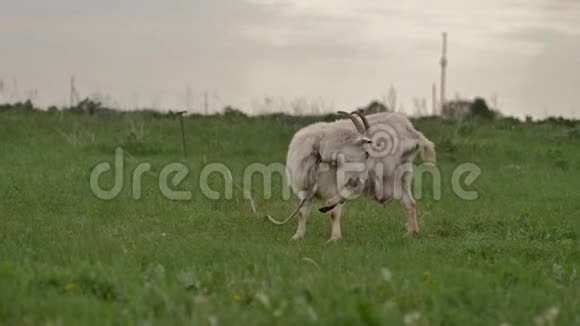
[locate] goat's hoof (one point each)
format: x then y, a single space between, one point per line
297 237
333 240
412 234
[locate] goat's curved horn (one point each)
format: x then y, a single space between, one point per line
354 120
363 118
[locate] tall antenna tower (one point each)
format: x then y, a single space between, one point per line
443 72
74 94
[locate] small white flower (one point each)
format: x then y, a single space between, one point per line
558 271
263 299
412 318
213 321
387 275
548 317
551 314
200 299
312 314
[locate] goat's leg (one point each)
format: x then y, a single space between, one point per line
302 218
409 204
410 207
386 195
335 219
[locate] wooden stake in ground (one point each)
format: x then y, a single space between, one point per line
180 113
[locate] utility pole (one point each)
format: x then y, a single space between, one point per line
180 114
443 72
74 95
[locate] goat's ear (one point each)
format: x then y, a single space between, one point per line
365 140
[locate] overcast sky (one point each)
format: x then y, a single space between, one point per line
342 53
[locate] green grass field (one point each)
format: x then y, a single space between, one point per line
68 257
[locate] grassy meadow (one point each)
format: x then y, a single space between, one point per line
68 257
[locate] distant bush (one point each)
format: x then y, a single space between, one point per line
277 116
461 109
507 123
231 112
329 117
91 107
374 107
18 106
28 106
560 121
511 120
479 109
150 113
5 107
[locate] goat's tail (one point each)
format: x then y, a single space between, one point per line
306 198
273 220
426 147
428 151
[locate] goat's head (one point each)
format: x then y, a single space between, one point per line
352 146
350 156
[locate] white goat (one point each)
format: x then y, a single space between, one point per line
316 155
395 144
384 146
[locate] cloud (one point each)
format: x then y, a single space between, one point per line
341 50
540 35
